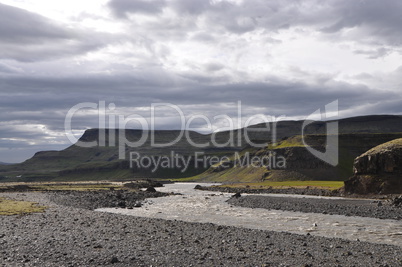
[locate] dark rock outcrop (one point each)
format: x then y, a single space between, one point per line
378 171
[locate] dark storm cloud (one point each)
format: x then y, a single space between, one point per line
384 15
377 22
28 37
42 98
18 26
121 8
372 22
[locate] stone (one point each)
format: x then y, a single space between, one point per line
150 189
396 201
114 260
237 195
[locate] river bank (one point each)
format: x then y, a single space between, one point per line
348 207
71 236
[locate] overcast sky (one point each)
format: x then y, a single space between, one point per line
278 58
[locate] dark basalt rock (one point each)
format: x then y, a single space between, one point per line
237 195
378 171
150 189
199 187
114 260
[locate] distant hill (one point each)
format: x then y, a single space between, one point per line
356 136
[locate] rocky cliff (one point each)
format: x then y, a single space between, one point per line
378 171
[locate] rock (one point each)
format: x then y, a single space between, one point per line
378 171
396 201
198 187
114 260
150 189
237 195
121 204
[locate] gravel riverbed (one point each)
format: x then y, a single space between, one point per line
69 233
349 207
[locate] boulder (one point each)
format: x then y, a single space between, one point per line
237 195
151 189
198 187
378 171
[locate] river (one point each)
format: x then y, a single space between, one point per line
211 207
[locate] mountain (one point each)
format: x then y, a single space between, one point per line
110 157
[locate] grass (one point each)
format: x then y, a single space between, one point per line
14 207
295 141
188 179
332 185
71 186
243 174
75 187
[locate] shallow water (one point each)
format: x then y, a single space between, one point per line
207 206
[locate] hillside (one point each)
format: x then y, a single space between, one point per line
300 163
101 161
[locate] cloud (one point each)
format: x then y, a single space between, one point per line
29 37
194 7
374 54
370 22
46 101
20 26
373 22
122 8
6 68
37 112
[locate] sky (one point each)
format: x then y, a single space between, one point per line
197 59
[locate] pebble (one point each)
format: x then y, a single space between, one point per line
112 239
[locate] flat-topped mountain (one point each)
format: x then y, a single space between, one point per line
105 153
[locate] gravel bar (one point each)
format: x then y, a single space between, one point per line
349 207
70 236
